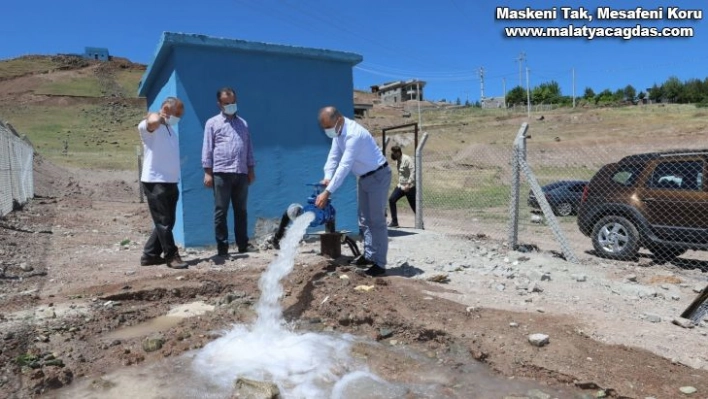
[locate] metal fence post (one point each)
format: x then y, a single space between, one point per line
139 154
419 183
518 152
548 212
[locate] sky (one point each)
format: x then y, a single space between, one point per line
458 47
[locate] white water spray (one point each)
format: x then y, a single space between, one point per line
303 365
270 314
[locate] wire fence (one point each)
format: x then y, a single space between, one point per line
16 178
647 199
19 266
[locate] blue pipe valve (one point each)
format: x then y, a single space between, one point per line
322 216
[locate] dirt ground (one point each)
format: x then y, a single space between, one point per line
71 280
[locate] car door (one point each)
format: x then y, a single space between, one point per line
674 200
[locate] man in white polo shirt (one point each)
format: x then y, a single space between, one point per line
355 150
159 177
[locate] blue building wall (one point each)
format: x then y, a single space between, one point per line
96 53
279 95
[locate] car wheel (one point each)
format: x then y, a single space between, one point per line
615 237
564 209
665 252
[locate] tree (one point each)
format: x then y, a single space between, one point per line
672 89
589 94
693 91
467 103
656 93
630 93
548 93
517 95
458 102
604 97
642 95
618 96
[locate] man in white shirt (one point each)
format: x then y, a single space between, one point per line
355 150
159 177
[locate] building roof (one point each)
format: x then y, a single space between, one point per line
398 83
170 40
96 50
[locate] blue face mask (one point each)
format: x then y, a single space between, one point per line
230 109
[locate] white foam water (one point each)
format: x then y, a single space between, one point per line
303 365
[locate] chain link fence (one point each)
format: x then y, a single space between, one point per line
648 199
16 179
20 268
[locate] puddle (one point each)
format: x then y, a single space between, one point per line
162 323
409 374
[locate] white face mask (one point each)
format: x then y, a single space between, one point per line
230 109
332 131
173 120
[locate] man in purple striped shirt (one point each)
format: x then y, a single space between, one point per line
227 159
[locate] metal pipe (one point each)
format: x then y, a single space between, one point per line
419 183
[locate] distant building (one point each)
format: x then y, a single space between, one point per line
361 110
97 53
399 91
493 102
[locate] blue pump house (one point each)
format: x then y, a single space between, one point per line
280 91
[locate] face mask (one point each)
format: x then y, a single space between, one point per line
230 109
332 131
173 120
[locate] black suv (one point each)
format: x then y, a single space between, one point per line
657 201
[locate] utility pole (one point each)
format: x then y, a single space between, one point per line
528 96
573 88
481 84
504 90
521 59
420 120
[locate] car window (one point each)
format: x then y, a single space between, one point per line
627 175
677 175
577 188
554 185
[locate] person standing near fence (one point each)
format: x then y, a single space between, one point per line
159 177
229 167
406 183
355 150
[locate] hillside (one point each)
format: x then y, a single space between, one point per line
77 112
82 113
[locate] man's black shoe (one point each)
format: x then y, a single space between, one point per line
176 262
375 271
393 225
248 248
151 260
361 261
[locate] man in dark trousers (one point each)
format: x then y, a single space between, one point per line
159 177
406 183
229 167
